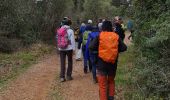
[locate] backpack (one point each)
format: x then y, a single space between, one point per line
85 37
76 33
62 38
93 43
108 46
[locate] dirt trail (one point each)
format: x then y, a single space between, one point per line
82 87
34 84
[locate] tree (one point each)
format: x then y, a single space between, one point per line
29 21
93 9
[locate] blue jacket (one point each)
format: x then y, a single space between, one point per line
91 36
82 30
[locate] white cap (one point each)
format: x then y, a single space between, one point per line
90 21
83 24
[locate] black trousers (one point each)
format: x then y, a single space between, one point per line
63 55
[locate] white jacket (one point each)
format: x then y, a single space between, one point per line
71 38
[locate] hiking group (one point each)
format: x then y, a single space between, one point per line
100 46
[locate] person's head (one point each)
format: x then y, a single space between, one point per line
107 26
118 19
67 22
83 24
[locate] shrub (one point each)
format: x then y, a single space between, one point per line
152 41
9 45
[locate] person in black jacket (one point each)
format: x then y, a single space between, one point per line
118 27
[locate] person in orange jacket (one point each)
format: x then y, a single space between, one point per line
110 44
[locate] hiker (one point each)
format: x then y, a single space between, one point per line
92 55
118 27
76 33
87 62
56 33
78 51
66 46
109 45
100 24
80 38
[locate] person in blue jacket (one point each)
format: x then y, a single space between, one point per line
87 62
82 30
92 55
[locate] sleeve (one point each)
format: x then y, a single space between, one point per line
72 39
120 32
80 38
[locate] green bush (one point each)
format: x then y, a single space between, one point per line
152 42
25 20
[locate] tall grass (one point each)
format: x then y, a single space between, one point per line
123 74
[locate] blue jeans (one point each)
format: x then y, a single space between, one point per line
87 62
92 58
84 58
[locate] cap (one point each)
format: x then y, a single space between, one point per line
90 21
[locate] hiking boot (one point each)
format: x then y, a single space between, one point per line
95 80
79 59
69 78
62 79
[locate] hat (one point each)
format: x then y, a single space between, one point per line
67 22
65 18
90 21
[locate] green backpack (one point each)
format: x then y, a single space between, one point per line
85 37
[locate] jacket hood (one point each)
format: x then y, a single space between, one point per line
66 26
